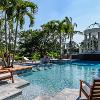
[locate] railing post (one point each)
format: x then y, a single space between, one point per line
80 88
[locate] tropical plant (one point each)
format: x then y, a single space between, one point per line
14 16
48 39
62 30
70 31
23 8
37 41
59 30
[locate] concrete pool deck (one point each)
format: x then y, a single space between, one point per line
15 68
66 94
10 90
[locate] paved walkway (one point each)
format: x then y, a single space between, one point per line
66 94
16 68
9 90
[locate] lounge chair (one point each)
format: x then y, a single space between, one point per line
6 74
26 59
92 92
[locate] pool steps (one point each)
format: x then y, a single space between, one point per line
9 93
41 67
11 90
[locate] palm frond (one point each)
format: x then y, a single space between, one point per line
31 18
21 21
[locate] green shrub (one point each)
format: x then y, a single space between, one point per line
0 54
36 56
53 54
17 57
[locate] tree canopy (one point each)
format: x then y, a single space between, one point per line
13 13
37 42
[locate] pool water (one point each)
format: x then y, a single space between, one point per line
60 75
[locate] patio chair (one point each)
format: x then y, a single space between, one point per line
25 59
6 74
92 92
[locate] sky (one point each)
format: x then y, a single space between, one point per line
83 12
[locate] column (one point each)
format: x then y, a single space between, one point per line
99 41
80 50
89 42
85 37
93 47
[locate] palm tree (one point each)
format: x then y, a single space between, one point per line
62 26
15 10
1 29
4 7
48 30
70 31
56 29
1 34
59 25
23 8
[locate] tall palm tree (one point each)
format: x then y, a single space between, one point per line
8 7
70 31
3 8
1 28
15 10
1 34
56 29
61 27
23 8
49 30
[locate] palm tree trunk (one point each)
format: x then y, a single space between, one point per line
2 55
60 47
9 47
41 52
5 31
5 59
70 46
16 31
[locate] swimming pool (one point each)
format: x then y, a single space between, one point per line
58 76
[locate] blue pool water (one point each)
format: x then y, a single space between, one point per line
58 76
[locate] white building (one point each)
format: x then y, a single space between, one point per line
91 42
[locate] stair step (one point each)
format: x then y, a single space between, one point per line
9 93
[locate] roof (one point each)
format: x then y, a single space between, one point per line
93 28
94 25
